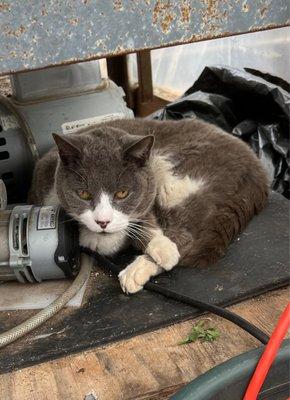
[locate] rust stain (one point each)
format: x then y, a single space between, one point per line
118 50
4 7
185 9
43 10
263 11
246 7
100 54
163 15
15 32
13 54
118 5
27 55
212 16
73 21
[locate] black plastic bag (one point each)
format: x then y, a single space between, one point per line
249 104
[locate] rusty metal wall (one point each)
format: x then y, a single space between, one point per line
36 34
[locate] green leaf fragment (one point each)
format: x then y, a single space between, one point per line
199 332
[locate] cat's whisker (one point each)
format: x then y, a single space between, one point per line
80 175
139 225
150 224
143 233
68 220
140 235
141 229
132 236
141 220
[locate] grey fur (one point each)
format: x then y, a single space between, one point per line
235 184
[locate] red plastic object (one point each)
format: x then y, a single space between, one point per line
268 355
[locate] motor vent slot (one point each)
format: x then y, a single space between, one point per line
4 155
24 236
15 233
23 277
6 176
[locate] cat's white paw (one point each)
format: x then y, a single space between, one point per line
136 274
163 251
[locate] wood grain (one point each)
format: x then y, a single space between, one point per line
148 366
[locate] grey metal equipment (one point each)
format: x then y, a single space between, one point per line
62 100
3 195
37 243
56 32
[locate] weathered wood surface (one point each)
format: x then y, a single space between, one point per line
149 366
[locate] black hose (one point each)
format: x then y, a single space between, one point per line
106 264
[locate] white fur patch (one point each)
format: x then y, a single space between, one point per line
163 251
171 189
134 277
114 238
106 244
104 212
165 254
90 236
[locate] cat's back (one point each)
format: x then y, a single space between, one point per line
195 145
178 135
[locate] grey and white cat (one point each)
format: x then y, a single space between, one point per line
180 191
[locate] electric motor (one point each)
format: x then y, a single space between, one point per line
58 99
38 243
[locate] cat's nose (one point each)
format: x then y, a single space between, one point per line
103 224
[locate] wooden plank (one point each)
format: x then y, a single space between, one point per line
145 76
118 72
149 366
145 101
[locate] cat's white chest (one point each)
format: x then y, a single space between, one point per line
105 244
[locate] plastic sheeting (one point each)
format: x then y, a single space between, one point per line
249 104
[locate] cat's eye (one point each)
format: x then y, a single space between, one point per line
84 195
121 194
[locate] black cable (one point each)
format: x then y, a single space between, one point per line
106 264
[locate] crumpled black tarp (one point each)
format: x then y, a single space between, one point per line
249 104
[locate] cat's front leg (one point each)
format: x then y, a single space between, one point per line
136 274
163 255
163 251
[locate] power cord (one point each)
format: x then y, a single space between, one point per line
107 265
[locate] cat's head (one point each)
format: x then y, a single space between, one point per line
104 179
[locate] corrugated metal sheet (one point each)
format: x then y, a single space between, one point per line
36 34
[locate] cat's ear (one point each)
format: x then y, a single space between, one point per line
140 150
68 152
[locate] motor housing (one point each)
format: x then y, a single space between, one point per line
38 243
54 100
